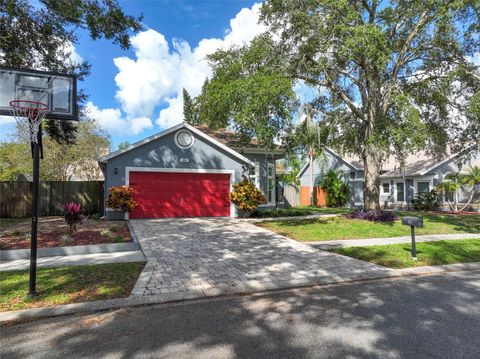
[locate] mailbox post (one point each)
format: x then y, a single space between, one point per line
413 222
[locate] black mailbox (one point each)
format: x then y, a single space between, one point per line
412 221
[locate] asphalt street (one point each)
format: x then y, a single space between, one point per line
418 317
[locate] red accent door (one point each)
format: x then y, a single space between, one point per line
166 194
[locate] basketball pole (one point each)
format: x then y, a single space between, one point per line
35 194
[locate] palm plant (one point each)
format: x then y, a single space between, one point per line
471 179
454 182
309 136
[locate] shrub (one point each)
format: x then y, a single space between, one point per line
121 199
105 232
337 191
281 212
17 233
246 196
66 240
96 216
426 201
118 239
73 215
374 216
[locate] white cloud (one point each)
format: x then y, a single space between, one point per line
111 119
74 56
159 72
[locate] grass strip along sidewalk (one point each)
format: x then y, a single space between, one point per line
428 253
325 229
68 285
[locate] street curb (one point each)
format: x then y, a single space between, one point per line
135 300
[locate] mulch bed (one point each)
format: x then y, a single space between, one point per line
51 229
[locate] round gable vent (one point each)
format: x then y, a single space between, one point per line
184 139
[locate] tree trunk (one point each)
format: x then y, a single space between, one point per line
456 197
371 178
312 199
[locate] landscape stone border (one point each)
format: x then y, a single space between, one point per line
14 254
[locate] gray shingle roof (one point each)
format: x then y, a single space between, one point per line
411 169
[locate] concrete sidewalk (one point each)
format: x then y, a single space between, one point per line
325 245
75 260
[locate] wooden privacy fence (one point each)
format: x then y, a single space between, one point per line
319 196
15 197
300 196
291 195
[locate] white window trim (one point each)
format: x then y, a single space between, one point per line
233 212
428 179
256 176
404 192
274 199
381 187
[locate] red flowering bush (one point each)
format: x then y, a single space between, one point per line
121 198
73 215
246 196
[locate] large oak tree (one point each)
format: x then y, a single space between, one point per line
385 77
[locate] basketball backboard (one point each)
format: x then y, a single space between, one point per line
58 91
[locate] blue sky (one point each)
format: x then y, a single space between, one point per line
137 92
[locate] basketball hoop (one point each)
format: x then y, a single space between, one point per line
29 113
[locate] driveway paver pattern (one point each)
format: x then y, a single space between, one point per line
212 256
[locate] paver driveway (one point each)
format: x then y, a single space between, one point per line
204 257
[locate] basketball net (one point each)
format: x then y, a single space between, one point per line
29 114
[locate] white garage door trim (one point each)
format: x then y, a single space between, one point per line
128 169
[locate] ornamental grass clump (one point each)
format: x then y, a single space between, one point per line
121 199
72 214
374 216
246 196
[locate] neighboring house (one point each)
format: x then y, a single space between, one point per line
398 185
188 171
329 160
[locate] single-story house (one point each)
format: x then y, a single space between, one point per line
330 160
398 184
188 171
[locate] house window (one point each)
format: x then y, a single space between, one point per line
400 192
253 174
386 187
423 186
271 183
352 175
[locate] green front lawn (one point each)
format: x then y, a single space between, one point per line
298 211
428 253
68 285
325 229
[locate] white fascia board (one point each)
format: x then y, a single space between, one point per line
304 168
447 160
343 159
218 144
170 130
140 143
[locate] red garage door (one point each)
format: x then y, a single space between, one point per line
161 194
